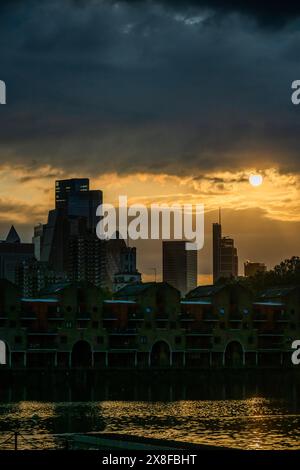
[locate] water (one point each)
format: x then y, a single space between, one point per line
234 412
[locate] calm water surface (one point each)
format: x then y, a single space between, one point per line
225 413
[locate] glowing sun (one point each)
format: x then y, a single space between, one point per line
255 180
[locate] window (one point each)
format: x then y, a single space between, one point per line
222 325
143 339
95 309
177 339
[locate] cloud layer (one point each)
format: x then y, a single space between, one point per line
139 86
173 100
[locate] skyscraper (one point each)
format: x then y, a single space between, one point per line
68 241
225 258
63 188
74 197
179 266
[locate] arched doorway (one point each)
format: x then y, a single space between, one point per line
82 354
160 354
234 354
4 353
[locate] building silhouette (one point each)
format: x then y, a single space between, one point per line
12 253
68 242
179 266
128 273
63 189
76 325
32 276
225 257
250 268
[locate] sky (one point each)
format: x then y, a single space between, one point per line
165 101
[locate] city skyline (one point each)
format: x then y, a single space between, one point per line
151 259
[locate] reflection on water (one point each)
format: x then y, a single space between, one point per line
235 413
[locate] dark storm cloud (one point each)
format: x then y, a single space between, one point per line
268 14
140 86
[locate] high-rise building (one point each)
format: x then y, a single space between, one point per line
55 241
128 273
179 266
77 200
13 252
84 204
37 241
32 276
250 268
86 260
69 243
225 257
63 188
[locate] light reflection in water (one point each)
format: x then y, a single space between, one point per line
256 423
247 417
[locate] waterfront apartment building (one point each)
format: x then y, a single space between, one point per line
179 266
77 326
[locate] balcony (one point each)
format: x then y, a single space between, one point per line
28 316
57 317
123 332
135 316
200 330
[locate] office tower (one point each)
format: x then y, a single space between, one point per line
128 273
55 242
77 200
32 276
85 204
69 243
250 268
13 252
217 237
179 266
225 258
63 188
37 240
113 250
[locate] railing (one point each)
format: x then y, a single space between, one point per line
123 331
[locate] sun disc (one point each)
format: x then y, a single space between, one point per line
255 180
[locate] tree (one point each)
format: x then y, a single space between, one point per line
285 273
